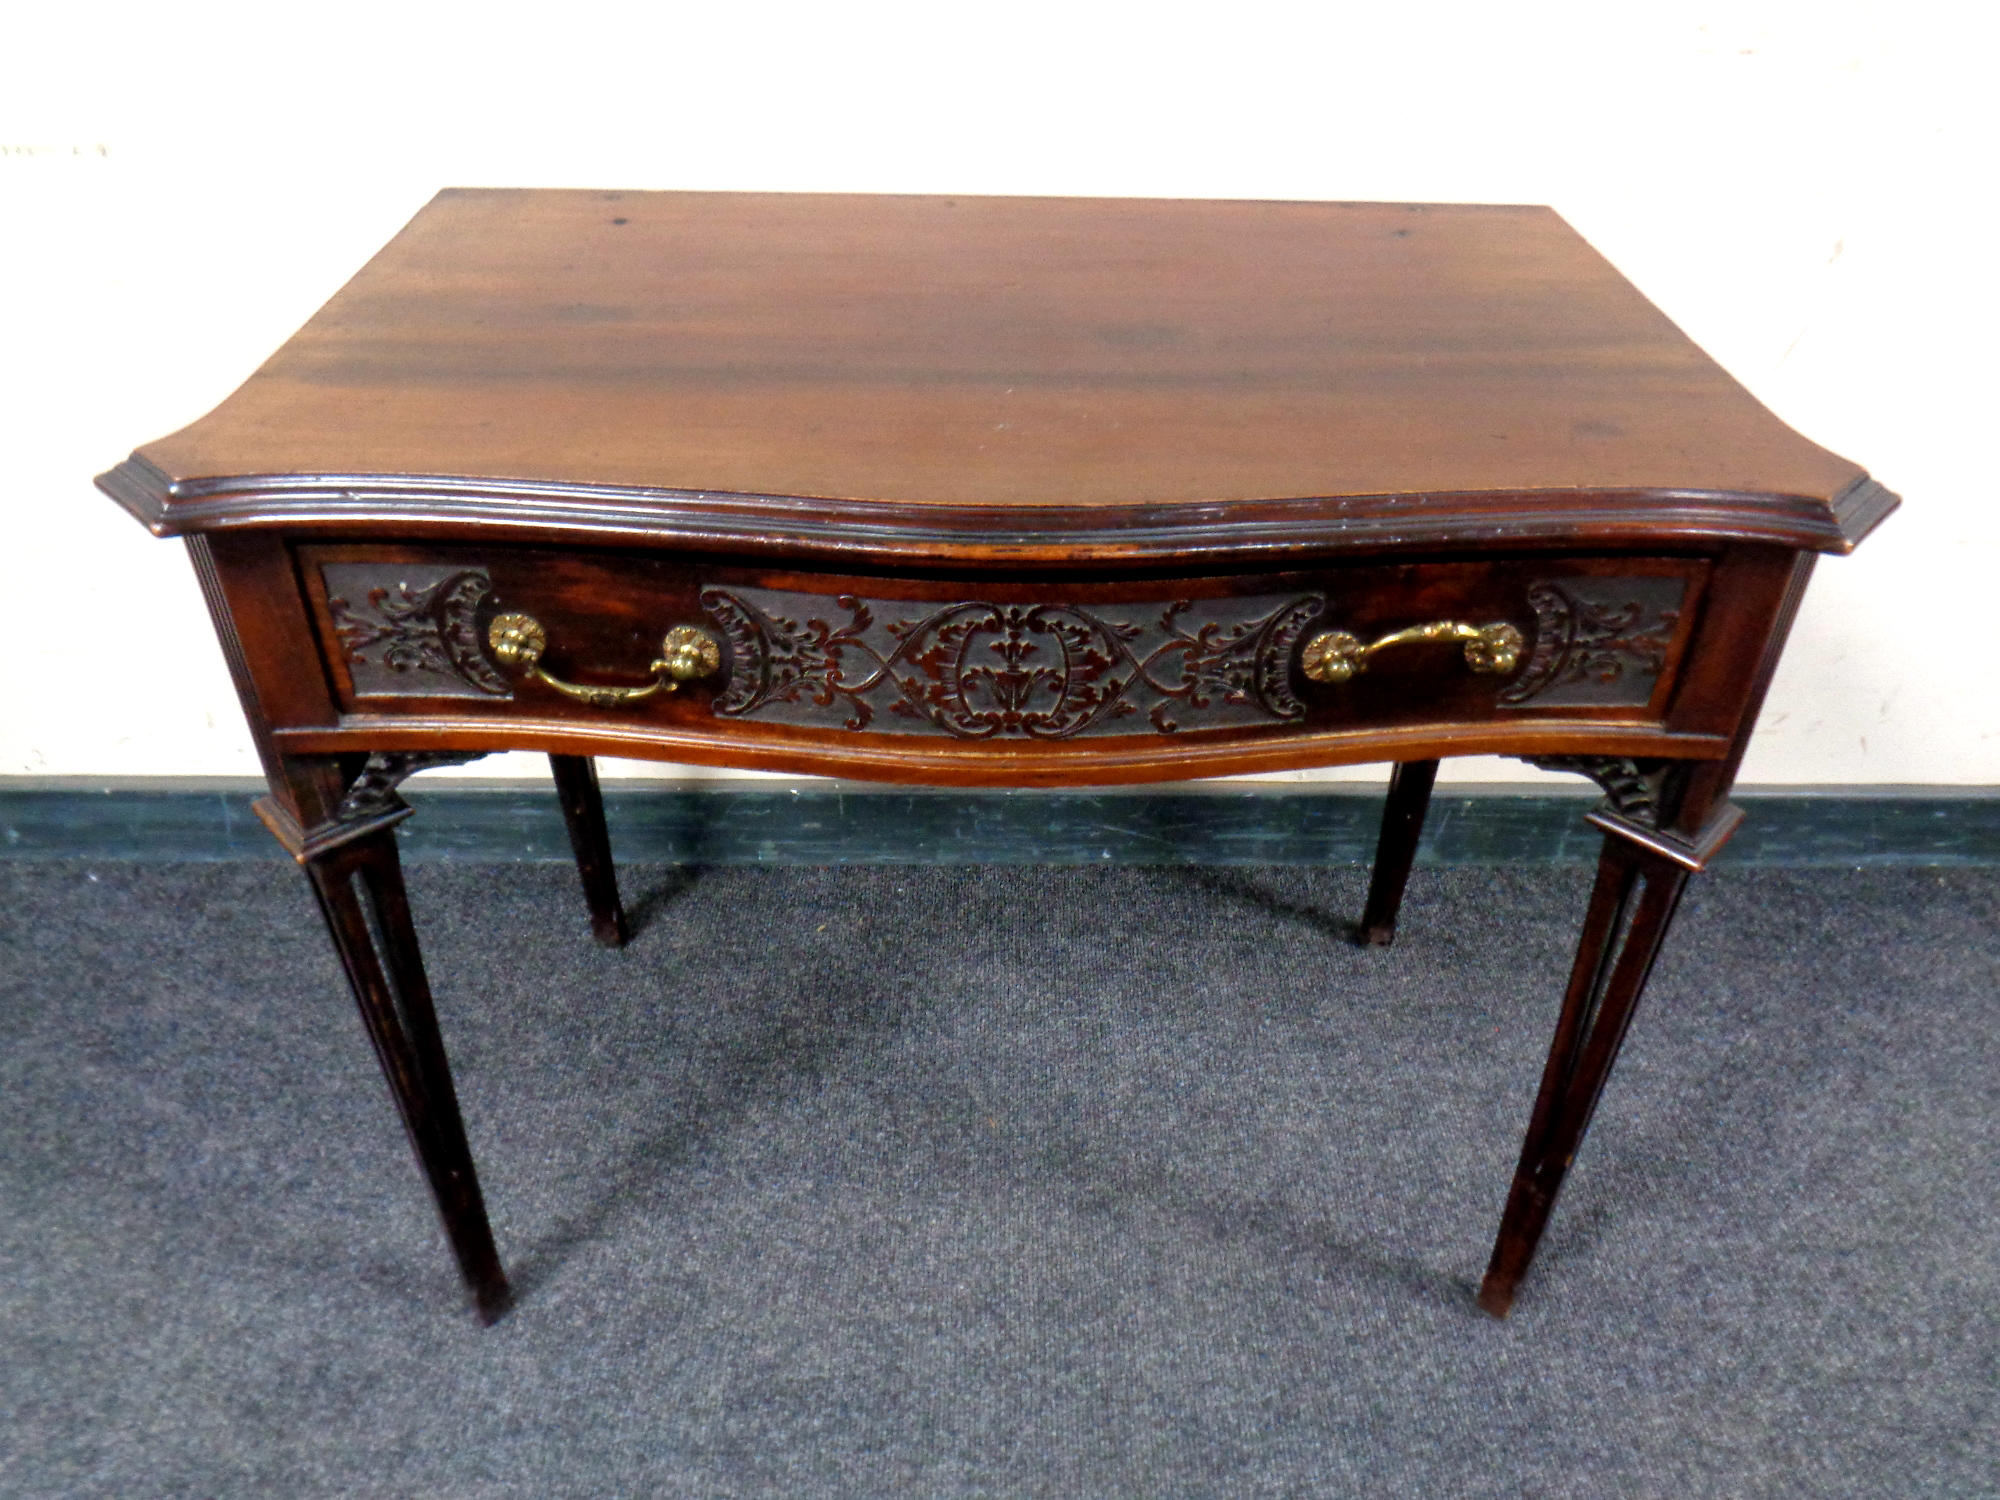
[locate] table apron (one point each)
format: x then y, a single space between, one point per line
1103 763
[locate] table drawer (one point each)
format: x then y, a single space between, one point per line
552 635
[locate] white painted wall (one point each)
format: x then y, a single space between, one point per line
1806 188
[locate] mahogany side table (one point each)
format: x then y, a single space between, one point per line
995 492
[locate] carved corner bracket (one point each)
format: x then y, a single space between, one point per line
1635 800
1633 788
373 794
370 805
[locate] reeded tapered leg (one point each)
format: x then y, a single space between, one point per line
359 884
1396 850
1634 900
583 811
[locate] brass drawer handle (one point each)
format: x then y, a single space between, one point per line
1335 656
687 652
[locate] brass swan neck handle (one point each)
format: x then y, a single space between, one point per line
1335 655
687 653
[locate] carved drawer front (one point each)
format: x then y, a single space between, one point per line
539 634
977 668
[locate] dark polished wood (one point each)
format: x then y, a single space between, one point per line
1073 381
605 610
1402 826
590 840
1632 904
360 890
995 492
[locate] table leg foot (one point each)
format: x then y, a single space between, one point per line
492 1301
1396 849
359 884
1496 1297
583 812
1630 910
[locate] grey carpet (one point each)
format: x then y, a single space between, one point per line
998 1182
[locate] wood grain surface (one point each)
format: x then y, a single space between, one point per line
995 363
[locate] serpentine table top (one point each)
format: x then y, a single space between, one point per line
1053 380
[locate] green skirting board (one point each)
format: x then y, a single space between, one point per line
822 823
